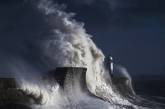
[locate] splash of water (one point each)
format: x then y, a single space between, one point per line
70 45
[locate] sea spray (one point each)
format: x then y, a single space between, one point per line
69 45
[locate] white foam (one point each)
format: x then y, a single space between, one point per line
69 45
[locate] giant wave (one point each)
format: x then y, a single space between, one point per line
78 77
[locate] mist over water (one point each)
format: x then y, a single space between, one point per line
67 44
71 46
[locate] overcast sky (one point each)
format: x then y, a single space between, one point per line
132 31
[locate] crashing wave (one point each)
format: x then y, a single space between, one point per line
84 82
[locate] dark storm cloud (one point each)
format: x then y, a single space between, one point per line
131 30
123 28
21 27
150 6
11 1
113 4
101 13
123 5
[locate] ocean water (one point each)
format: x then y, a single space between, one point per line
73 74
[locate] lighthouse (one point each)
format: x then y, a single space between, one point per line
111 64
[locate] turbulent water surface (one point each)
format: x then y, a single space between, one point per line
87 83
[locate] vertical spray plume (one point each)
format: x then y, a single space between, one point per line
69 45
63 42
